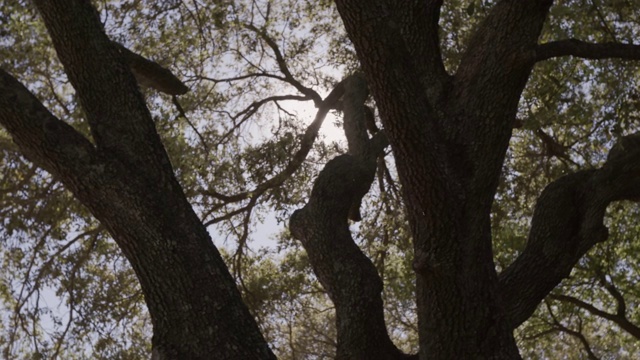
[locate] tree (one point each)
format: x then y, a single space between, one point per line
448 94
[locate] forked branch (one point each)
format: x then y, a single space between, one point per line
348 275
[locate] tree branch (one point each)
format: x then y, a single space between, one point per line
613 291
133 192
282 64
107 90
242 77
407 102
420 28
618 319
586 50
348 275
152 74
298 158
577 334
500 56
48 142
356 93
567 222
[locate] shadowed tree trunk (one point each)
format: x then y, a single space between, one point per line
449 135
448 132
124 177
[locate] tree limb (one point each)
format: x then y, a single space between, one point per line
419 28
128 184
586 50
149 73
558 326
282 64
621 308
500 56
567 222
116 111
348 275
298 158
41 137
618 319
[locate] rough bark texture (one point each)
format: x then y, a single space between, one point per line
449 134
127 182
322 225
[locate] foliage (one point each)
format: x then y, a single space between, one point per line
255 70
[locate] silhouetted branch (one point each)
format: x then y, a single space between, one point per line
582 49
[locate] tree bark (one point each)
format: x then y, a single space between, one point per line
449 135
567 222
348 275
127 182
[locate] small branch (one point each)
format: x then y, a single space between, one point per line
298 158
613 291
577 334
228 215
282 64
618 319
181 112
582 49
242 77
247 112
603 20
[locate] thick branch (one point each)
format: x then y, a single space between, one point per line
355 129
347 274
567 222
582 49
195 307
152 74
419 28
356 93
504 41
500 57
40 136
107 90
185 281
407 104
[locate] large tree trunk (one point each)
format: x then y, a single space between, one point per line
127 182
449 135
